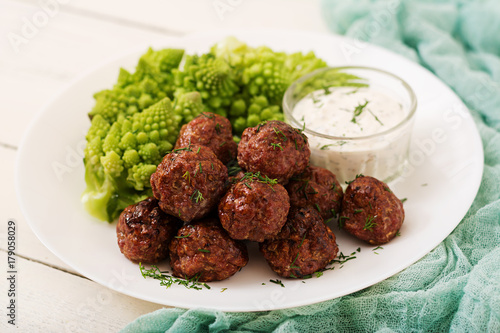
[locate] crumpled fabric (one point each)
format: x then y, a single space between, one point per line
456 287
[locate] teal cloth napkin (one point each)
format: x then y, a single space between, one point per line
456 287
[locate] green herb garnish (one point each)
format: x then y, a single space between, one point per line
197 196
277 282
187 177
279 132
167 280
317 206
341 221
274 145
370 223
358 110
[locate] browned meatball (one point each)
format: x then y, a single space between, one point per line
370 211
316 187
189 182
275 149
305 245
254 208
144 231
204 250
210 130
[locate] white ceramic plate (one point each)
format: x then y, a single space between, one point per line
443 179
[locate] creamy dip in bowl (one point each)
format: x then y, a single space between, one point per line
358 120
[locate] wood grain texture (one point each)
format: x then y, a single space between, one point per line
34 71
49 300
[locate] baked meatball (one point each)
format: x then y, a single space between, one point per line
210 130
144 231
189 182
254 208
275 149
203 250
371 211
318 188
304 245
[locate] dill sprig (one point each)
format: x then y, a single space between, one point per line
187 177
258 177
277 282
197 196
274 145
167 280
179 150
370 223
279 132
358 110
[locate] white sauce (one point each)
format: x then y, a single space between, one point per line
348 112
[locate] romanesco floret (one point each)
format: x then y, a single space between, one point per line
152 81
263 76
188 105
257 111
212 77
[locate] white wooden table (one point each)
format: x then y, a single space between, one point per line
43 46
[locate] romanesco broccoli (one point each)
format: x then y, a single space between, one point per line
263 76
212 77
152 81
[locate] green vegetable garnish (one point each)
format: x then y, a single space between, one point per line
167 280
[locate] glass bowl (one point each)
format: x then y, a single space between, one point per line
348 135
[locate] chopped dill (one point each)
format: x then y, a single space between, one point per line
261 179
341 221
317 207
279 132
358 110
167 280
274 145
197 196
187 177
277 282
370 223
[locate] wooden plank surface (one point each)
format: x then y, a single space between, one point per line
50 300
35 70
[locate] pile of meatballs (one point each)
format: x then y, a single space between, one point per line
202 218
